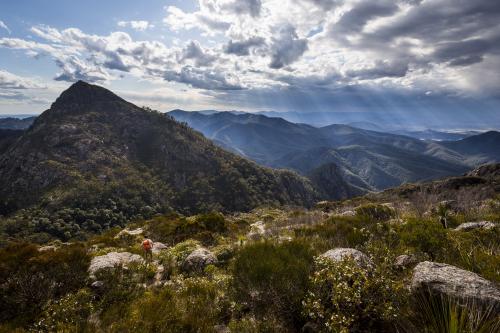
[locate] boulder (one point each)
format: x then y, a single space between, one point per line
47 248
348 213
454 282
468 226
113 259
405 260
257 230
340 254
157 247
197 260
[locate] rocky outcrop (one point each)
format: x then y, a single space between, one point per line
340 254
197 260
129 233
453 282
111 260
475 225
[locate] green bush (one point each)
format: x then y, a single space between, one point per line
29 278
67 314
272 279
191 305
337 232
172 229
344 297
375 212
427 237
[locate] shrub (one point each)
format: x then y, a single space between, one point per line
272 279
343 297
375 212
428 237
29 278
337 232
439 313
191 305
67 314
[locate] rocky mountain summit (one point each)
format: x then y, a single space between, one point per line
92 141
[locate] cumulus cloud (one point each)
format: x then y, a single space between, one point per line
194 51
136 25
204 79
321 46
287 48
240 7
5 27
242 48
11 81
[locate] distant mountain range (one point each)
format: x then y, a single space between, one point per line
366 160
93 150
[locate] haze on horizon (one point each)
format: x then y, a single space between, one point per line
408 57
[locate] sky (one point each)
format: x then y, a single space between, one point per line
399 56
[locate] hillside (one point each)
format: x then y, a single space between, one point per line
380 262
367 160
16 123
93 150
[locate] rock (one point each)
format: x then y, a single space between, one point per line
340 254
47 248
405 260
468 226
126 233
257 230
97 286
454 282
158 247
113 259
348 213
197 260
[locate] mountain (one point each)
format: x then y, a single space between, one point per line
16 123
367 160
93 150
478 149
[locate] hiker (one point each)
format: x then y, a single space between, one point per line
147 246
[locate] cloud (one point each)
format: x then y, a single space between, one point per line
242 7
355 19
74 69
242 48
177 20
5 27
204 79
286 48
326 4
136 25
194 51
12 81
381 69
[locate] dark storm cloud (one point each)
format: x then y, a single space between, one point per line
242 48
286 48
